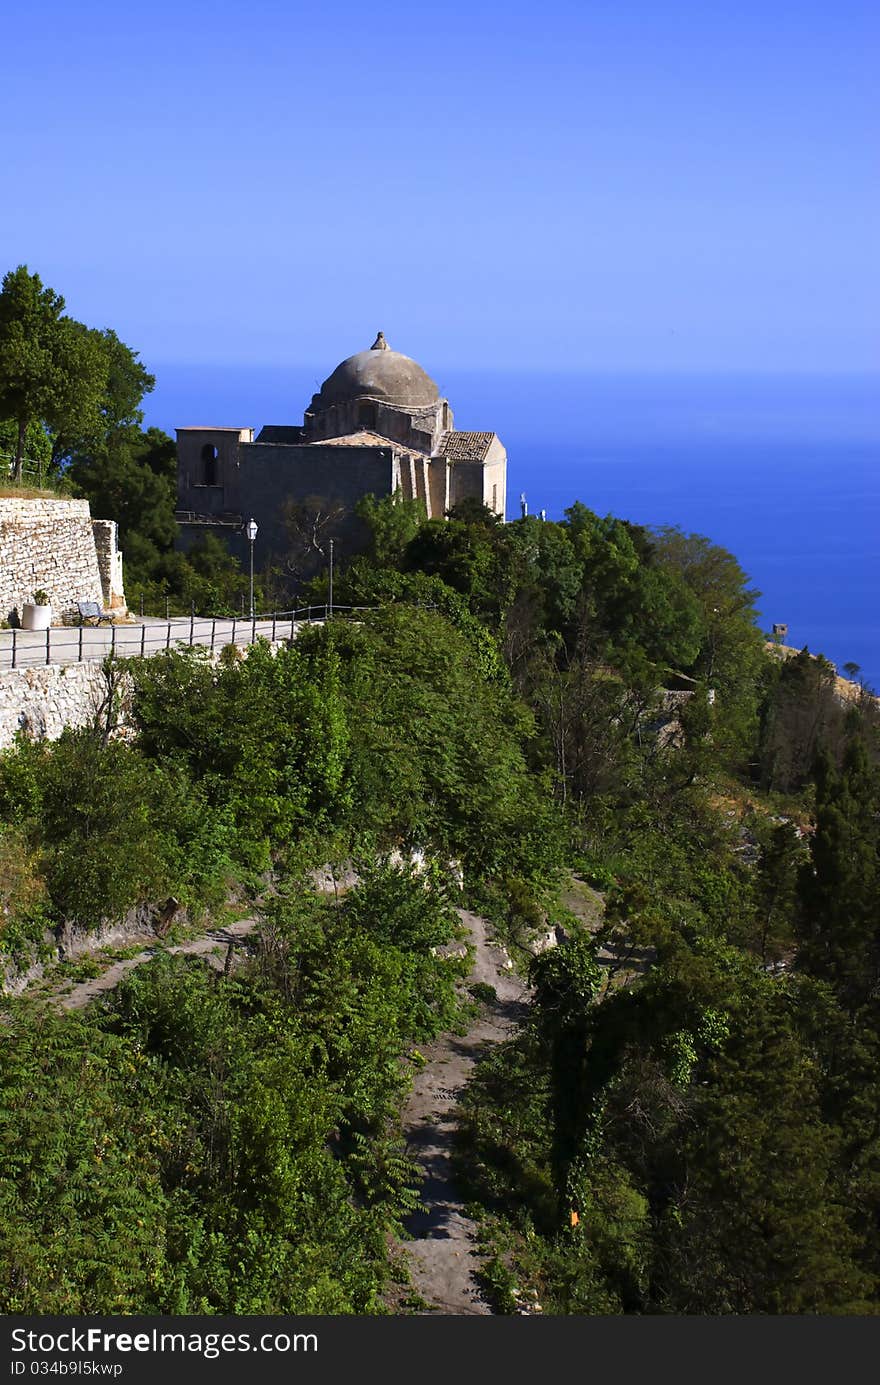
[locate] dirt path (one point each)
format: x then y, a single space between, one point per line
441 1251
217 940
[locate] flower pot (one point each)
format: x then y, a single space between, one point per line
35 617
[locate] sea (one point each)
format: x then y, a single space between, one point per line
781 470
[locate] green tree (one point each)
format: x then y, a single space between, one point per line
96 825
632 605
840 918
264 738
124 384
420 770
463 555
801 718
49 373
757 1221
36 453
132 475
75 383
775 893
393 522
566 981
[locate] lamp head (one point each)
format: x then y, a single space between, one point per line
251 529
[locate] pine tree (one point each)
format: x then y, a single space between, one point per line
839 925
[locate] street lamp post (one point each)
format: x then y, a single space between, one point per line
330 609
251 530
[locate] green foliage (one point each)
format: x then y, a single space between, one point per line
839 924
104 829
801 718
630 599
206 577
36 452
72 382
132 475
123 382
687 1125
80 1189
70 399
24 904
756 1220
93 828
731 659
50 374
768 926
205 1144
419 769
264 738
393 522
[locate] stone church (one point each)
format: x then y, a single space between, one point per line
377 425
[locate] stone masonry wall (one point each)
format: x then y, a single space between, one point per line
48 545
109 563
42 701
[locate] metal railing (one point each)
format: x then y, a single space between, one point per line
77 644
36 474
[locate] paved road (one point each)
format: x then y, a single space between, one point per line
91 644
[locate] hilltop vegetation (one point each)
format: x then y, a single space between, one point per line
692 1129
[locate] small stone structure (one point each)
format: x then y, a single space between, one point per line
109 563
378 425
55 546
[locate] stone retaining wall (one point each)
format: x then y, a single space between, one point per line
48 545
42 701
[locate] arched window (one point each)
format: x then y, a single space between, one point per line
367 415
209 465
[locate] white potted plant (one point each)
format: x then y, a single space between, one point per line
36 614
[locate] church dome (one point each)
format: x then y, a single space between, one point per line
379 373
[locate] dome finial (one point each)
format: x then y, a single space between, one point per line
380 344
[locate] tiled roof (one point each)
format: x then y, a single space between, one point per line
465 447
361 439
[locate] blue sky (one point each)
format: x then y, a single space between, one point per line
638 185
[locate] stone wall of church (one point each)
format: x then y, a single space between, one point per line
482 481
275 478
208 469
47 545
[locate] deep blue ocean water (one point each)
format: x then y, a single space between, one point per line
784 471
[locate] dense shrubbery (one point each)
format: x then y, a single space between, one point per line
706 1103
357 738
706 1122
205 1144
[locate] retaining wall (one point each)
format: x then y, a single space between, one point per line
48 545
42 701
